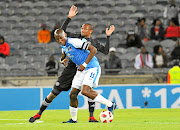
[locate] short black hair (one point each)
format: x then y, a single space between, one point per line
91 26
1 37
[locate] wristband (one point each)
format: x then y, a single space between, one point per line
84 64
61 61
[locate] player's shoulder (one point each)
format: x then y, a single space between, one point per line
74 40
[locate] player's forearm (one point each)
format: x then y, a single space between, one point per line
63 56
91 54
106 48
65 24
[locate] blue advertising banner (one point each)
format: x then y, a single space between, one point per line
125 96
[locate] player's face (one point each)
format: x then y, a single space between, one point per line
61 40
86 30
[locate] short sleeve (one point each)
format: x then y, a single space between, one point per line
78 43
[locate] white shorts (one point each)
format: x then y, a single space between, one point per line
88 77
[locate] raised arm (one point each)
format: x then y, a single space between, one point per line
72 12
99 46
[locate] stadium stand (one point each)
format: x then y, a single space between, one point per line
20 21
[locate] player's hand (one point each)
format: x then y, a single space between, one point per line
72 12
81 68
64 62
110 30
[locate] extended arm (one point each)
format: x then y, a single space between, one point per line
101 48
72 12
90 56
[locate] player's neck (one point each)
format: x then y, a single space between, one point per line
87 36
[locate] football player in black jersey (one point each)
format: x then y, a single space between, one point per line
65 79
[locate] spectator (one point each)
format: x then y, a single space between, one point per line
143 60
175 55
173 76
133 40
52 32
44 35
142 29
4 48
52 66
113 62
157 30
159 58
171 11
173 31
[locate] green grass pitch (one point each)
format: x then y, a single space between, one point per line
133 119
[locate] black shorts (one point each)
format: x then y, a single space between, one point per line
64 81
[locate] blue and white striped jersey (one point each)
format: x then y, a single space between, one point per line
77 50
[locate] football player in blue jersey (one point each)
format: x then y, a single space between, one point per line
64 81
81 52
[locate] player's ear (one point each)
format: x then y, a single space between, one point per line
91 31
66 34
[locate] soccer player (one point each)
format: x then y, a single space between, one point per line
65 79
81 52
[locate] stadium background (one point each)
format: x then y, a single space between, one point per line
20 21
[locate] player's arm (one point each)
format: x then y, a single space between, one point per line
90 56
72 12
63 60
99 46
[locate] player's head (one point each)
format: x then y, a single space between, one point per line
86 30
1 39
43 26
112 51
143 50
60 36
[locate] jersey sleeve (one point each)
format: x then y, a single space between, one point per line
78 43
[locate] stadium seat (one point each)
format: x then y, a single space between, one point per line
149 49
152 43
149 2
53 4
17 53
94 3
168 43
80 4
121 50
13 19
128 56
40 4
13 5
17 67
115 10
162 2
142 9
156 9
46 11
101 10
41 19
66 4
134 50
128 9
33 12
19 12
136 15
31 67
121 3
6 12
3 5
31 53
45 52
4 68
25 60
26 5
11 60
